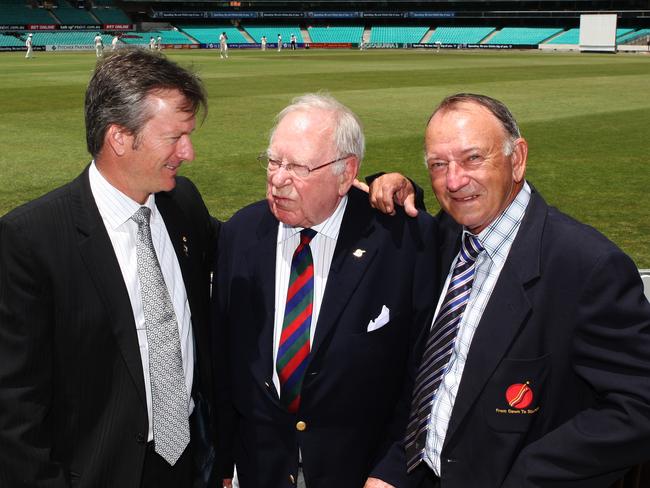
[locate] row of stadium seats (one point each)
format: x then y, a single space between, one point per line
16 12
445 35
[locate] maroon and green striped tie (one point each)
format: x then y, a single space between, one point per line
293 351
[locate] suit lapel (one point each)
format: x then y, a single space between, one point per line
99 257
355 250
261 257
504 315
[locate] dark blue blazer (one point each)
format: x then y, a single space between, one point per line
72 398
568 317
352 401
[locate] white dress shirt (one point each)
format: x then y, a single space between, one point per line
116 210
322 249
497 240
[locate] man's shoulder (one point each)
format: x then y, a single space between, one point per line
250 215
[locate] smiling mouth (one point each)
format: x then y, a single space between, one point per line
464 199
171 167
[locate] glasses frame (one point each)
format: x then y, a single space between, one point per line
291 167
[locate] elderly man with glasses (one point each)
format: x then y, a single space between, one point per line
318 300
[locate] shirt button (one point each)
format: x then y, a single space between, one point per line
301 426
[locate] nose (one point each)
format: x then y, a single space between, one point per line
456 177
185 148
280 177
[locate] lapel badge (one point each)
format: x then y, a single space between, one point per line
186 250
359 253
519 395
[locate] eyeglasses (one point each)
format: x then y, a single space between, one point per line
298 170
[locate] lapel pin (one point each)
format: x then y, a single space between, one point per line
358 253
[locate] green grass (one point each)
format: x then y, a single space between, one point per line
586 118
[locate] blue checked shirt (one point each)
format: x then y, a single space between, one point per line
496 239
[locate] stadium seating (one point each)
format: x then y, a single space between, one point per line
630 36
336 34
522 35
402 35
68 38
271 32
210 34
572 36
6 40
16 12
70 15
167 37
460 35
111 16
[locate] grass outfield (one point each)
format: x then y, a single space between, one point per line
586 118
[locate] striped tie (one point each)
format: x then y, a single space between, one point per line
294 341
438 349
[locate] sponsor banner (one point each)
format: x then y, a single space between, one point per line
37 27
383 15
383 45
7 27
116 27
70 47
80 27
328 45
21 48
282 15
181 46
234 15
472 46
334 15
429 15
178 14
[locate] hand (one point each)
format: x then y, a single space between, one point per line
391 188
227 483
376 483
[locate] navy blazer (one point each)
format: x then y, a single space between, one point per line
72 398
353 396
568 318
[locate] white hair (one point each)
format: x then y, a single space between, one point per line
348 132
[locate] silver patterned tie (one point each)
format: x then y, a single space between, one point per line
169 400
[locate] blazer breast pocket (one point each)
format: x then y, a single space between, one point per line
514 396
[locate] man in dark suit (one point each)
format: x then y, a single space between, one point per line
319 298
103 314
546 375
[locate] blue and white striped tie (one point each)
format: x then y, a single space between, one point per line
438 349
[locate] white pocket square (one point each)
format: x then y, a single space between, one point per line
382 319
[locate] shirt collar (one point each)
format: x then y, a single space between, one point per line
497 237
330 227
114 206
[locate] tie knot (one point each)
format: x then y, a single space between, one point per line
471 247
306 235
142 216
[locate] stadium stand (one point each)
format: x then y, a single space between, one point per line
111 16
68 38
210 34
16 12
6 40
522 35
67 14
388 34
336 34
631 36
271 32
167 37
572 36
460 35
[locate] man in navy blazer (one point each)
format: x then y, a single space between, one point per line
371 296
75 395
548 382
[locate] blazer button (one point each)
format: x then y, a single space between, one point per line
139 439
292 479
301 426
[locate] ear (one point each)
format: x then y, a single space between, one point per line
349 175
117 140
519 158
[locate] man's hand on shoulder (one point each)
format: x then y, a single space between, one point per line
390 189
376 483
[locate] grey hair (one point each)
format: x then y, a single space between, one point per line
118 92
348 131
494 106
